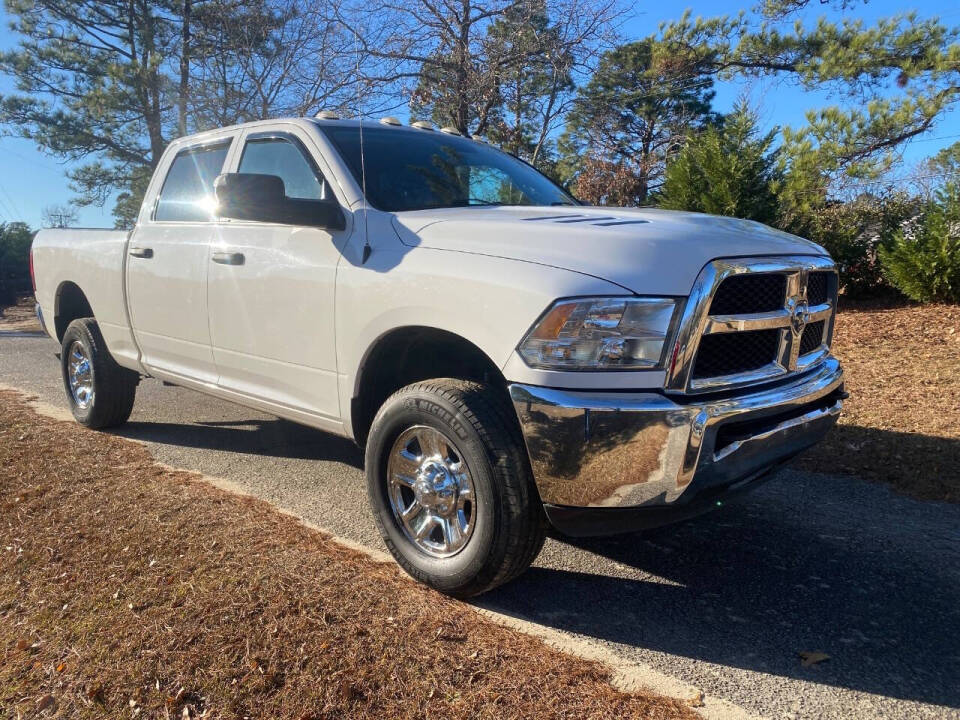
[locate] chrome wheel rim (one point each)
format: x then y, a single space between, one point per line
80 375
431 491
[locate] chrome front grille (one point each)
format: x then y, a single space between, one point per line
812 337
728 353
749 294
754 320
818 287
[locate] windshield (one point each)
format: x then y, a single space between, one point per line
418 170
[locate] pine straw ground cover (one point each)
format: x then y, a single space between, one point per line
20 317
901 425
127 590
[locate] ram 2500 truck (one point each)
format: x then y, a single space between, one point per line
510 359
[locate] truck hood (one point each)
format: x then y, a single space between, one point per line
651 252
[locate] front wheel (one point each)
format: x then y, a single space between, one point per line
450 487
99 391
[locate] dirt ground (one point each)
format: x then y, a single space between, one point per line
901 425
20 317
127 590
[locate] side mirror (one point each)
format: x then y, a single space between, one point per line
249 196
253 196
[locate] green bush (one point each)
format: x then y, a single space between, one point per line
853 233
923 262
15 239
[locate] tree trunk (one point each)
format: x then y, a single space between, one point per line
517 113
462 119
149 73
184 70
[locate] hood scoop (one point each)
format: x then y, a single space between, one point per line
595 220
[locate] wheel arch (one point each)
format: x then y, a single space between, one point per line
411 353
70 303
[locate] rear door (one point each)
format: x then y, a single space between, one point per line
271 289
167 264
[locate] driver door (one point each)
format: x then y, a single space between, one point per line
271 290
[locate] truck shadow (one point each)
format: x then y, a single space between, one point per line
805 563
268 437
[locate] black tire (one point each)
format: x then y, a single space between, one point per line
114 387
510 523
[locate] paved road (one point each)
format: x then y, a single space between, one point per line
807 562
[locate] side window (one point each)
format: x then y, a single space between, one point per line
187 193
283 158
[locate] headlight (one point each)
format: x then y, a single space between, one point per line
600 334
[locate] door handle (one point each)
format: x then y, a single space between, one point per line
228 258
141 252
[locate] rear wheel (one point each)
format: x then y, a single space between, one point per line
450 487
100 392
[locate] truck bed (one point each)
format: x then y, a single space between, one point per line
94 260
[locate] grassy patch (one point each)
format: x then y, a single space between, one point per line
901 425
128 591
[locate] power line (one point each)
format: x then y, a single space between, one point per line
6 208
911 179
848 187
31 160
12 203
931 139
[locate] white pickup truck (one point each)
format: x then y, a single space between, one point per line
510 359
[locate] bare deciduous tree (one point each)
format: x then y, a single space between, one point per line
59 216
443 56
254 59
537 89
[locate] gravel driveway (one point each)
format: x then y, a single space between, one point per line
808 562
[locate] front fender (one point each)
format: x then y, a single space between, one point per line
490 302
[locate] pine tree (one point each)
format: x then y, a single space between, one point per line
899 78
726 170
91 85
106 84
628 120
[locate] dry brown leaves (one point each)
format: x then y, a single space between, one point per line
20 317
901 424
131 591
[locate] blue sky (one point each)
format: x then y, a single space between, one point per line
31 180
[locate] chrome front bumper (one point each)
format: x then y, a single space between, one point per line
648 450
